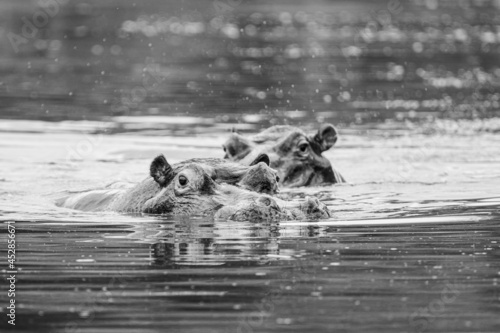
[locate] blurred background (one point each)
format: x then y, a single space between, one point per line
263 62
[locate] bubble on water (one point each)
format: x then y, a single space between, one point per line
81 31
284 321
84 314
231 31
352 51
97 50
41 44
432 4
293 51
116 50
250 30
344 96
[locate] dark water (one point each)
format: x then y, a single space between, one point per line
199 276
105 86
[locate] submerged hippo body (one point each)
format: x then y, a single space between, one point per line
189 189
295 155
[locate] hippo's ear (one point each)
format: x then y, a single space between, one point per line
161 171
326 136
261 158
236 147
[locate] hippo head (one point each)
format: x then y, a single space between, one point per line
192 190
183 192
295 155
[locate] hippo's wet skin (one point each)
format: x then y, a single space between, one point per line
273 209
295 155
257 177
191 190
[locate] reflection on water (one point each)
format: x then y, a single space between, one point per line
221 276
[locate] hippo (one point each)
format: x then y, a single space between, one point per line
295 155
189 189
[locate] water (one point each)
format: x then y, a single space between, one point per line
413 245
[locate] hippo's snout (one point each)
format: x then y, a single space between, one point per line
261 178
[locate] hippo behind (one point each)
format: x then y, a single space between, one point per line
295 155
191 190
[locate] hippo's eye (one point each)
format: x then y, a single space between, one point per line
277 179
183 180
303 147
